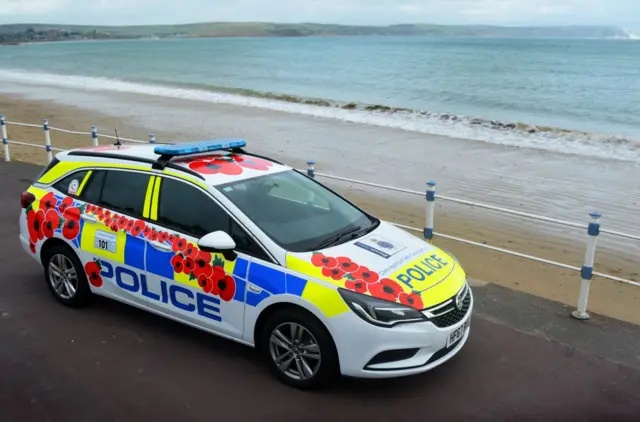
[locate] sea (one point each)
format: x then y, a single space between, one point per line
570 96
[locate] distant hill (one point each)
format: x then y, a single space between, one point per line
45 32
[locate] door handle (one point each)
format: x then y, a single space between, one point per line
90 218
160 246
254 288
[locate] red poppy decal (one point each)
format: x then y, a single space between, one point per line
146 231
347 265
386 289
66 203
71 227
138 227
177 264
217 165
203 259
48 202
93 273
114 225
162 237
51 223
218 274
413 299
322 261
153 236
227 288
252 162
366 275
171 238
189 265
357 286
205 283
178 244
191 251
334 273
88 208
130 225
32 247
35 221
122 222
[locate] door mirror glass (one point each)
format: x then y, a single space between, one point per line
218 242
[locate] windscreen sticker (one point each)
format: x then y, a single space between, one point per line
380 246
73 187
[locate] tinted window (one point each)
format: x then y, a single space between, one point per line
296 212
188 210
122 191
77 178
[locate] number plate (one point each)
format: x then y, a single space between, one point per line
105 241
459 333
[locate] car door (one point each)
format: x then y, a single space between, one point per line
110 208
188 284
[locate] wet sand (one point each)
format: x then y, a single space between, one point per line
550 184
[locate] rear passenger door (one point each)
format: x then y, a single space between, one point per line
202 288
112 247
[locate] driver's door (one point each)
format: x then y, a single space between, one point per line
182 281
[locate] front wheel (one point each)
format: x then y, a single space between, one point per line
299 350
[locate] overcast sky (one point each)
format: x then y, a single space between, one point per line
625 13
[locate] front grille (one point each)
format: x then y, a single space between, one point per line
449 315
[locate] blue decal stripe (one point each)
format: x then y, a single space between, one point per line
295 285
134 252
240 289
240 269
269 279
254 299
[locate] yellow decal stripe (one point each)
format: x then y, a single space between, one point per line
327 299
154 202
89 234
147 197
84 182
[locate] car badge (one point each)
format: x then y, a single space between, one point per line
460 299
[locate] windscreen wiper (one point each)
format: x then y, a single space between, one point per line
336 238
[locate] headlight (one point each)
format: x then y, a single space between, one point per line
380 312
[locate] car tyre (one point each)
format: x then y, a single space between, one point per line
294 342
65 276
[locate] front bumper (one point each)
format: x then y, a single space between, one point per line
368 351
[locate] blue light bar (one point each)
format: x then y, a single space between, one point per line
196 147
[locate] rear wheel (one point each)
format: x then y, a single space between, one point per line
299 350
65 276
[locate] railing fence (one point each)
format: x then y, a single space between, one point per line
592 227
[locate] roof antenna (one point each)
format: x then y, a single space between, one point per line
117 143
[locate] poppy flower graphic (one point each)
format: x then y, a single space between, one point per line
357 286
48 202
107 221
189 265
88 208
217 165
71 226
93 273
179 244
385 289
177 264
138 227
66 203
100 215
203 259
35 221
107 213
366 275
413 299
130 225
226 288
205 283
114 226
191 251
146 231
51 223
218 274
153 236
122 222
171 238
32 247
334 273
253 163
162 237
320 260
347 265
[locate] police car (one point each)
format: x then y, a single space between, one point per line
242 246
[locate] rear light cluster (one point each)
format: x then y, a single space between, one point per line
27 199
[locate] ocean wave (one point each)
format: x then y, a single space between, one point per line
516 134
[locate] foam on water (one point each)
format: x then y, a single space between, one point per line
568 142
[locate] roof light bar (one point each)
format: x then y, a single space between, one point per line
197 147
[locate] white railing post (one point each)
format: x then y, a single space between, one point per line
587 269
431 209
94 135
152 138
5 139
311 169
47 139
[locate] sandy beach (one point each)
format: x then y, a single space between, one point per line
545 183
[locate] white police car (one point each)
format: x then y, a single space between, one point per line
242 246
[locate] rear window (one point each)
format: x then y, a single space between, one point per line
118 190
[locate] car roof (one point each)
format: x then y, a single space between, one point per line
216 167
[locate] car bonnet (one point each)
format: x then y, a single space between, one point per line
388 263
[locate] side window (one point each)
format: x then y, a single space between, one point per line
72 181
188 210
122 191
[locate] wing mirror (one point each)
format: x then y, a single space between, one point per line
219 242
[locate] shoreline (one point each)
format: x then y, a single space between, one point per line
608 298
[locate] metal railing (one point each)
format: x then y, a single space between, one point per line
593 227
